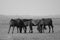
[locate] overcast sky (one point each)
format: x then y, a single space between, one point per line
30 7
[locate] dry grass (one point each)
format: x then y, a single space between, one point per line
29 36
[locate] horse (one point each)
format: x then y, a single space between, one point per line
33 22
43 23
17 23
28 24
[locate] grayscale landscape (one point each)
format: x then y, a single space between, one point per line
29 9
4 26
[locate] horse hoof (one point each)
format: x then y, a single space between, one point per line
12 32
52 31
24 32
20 32
48 32
31 31
41 32
8 32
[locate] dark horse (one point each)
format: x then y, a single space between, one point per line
28 24
43 23
17 23
33 22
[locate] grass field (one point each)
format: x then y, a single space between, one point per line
29 36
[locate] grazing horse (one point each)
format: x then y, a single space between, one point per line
17 23
33 22
43 23
29 24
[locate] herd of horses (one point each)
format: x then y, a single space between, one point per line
24 23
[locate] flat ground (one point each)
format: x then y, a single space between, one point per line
29 36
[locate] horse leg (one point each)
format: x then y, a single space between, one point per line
13 29
43 27
49 29
25 29
52 28
31 29
17 30
20 29
9 29
39 28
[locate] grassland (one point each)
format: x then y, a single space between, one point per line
29 36
4 26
